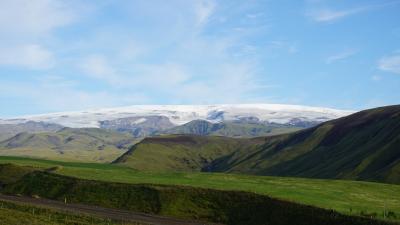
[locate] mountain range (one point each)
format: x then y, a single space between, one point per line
361 146
286 141
47 136
181 114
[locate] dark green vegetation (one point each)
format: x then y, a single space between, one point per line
85 144
16 214
10 173
231 128
362 146
230 207
348 197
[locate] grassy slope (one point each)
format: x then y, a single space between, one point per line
362 146
94 145
229 207
181 153
349 197
17 214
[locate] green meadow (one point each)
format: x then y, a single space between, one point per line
349 197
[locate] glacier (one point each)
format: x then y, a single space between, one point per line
181 114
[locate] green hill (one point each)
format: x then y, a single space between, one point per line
84 144
362 146
181 153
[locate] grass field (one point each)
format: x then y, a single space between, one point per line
349 197
191 203
16 214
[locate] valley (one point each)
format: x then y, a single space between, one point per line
199 112
103 135
193 171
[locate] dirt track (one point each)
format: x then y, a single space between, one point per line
123 215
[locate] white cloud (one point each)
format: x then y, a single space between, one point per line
390 64
328 15
153 76
168 60
203 10
254 15
128 49
198 67
27 26
341 56
227 83
53 93
35 17
376 78
286 46
162 76
31 56
97 66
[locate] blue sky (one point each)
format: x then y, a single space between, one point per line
72 55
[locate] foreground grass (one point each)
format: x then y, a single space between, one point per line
16 214
349 197
207 205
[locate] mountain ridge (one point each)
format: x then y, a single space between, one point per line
361 146
231 128
9 130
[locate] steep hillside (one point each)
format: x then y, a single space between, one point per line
181 153
365 146
84 144
362 146
232 128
